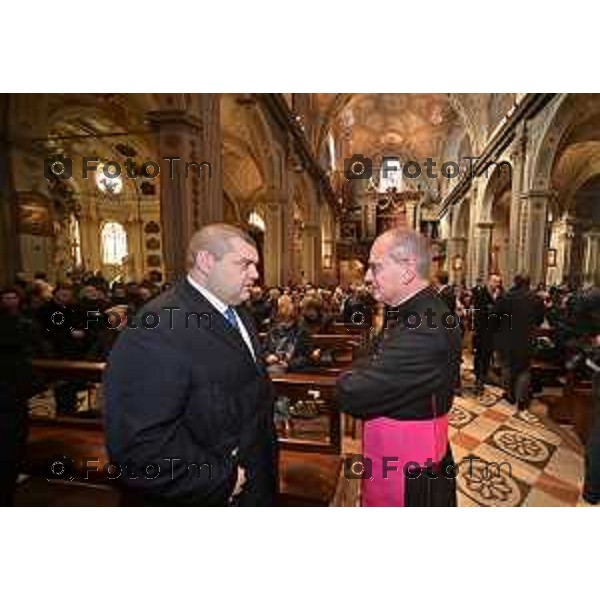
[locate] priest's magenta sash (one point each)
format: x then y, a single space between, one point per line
402 442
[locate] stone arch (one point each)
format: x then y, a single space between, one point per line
498 181
570 111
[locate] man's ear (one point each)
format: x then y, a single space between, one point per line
204 262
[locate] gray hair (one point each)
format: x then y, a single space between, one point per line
216 239
407 243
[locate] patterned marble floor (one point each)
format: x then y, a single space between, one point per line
506 457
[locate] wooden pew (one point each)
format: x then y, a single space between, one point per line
309 468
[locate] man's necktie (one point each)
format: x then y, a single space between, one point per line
231 317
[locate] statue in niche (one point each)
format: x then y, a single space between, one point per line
64 208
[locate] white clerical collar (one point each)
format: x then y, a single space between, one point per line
216 302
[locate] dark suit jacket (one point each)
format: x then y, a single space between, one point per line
448 296
186 393
412 373
513 334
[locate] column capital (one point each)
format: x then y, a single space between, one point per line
538 194
485 225
173 117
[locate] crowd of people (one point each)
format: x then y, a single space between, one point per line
81 319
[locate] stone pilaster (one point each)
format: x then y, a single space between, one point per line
457 254
10 253
518 158
311 252
191 193
275 239
481 251
210 149
534 218
591 262
565 233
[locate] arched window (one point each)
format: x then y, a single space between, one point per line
256 220
114 243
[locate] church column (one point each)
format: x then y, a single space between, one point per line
534 218
591 262
190 192
456 253
411 214
565 234
310 253
10 254
517 157
481 251
180 209
274 242
210 149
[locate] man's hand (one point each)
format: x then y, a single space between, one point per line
239 484
271 359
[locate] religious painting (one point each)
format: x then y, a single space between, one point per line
34 216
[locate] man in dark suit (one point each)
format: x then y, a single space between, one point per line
404 388
189 405
484 298
513 337
446 291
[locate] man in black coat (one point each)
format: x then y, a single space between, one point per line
404 389
484 298
446 291
17 341
188 402
514 334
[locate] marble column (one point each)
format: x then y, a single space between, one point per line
190 159
274 242
534 217
516 239
311 252
481 251
10 253
591 261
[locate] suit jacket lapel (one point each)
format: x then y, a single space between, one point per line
251 329
219 325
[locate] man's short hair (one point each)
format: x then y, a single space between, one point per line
404 243
522 280
216 239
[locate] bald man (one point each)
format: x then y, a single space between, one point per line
188 403
403 391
